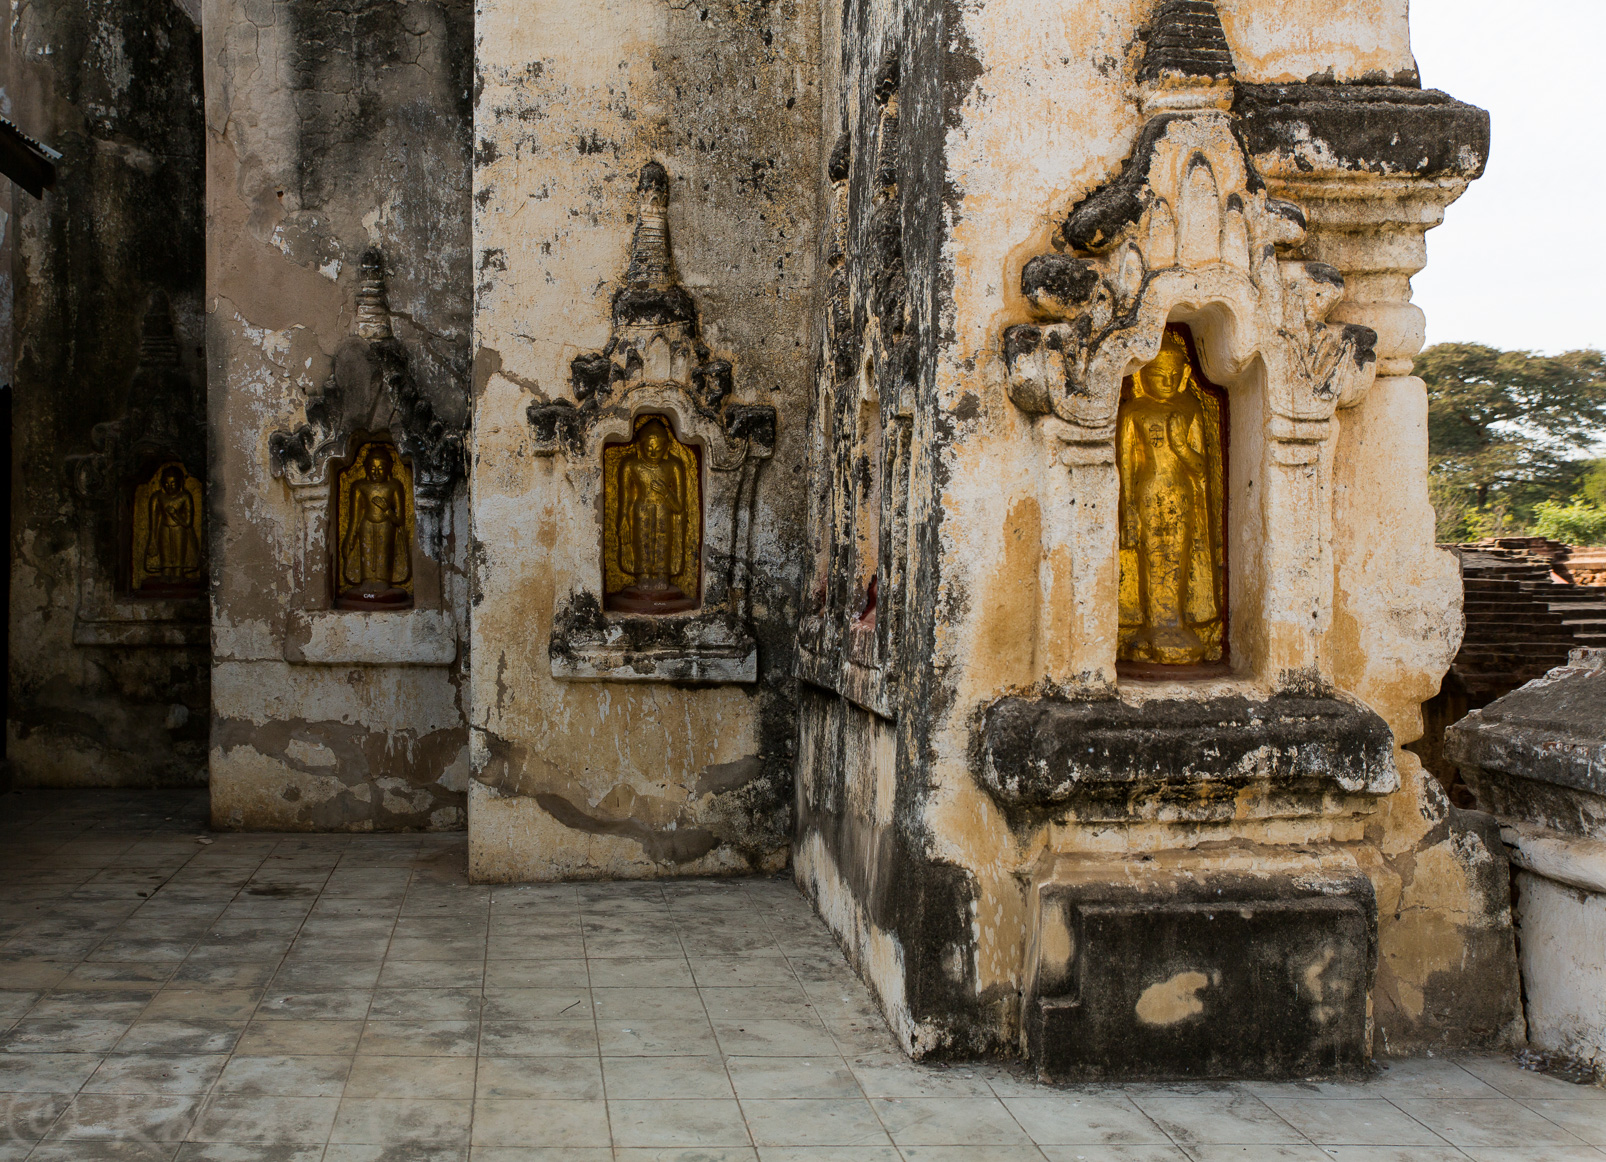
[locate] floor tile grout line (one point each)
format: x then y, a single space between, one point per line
1307 1139
719 1045
596 1025
205 1101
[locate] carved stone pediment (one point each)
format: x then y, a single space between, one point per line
372 390
1186 230
656 362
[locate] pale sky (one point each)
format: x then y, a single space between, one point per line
1518 262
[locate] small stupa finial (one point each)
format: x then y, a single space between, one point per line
652 267
373 308
158 347
1186 42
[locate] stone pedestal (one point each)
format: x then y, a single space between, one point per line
1536 758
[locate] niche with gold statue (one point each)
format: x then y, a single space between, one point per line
662 453
1171 451
652 521
166 540
374 530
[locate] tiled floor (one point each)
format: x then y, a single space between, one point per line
168 993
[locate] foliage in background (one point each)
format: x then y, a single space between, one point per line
1578 523
1506 433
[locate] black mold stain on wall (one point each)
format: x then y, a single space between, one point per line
115 85
883 323
383 99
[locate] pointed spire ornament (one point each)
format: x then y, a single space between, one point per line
652 267
373 308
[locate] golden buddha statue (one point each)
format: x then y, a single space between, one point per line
652 512
1168 446
375 526
167 533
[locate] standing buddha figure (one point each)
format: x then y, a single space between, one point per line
172 551
652 513
375 562
1169 457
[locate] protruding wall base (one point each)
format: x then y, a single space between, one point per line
1189 965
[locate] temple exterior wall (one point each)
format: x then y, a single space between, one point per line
333 130
1005 117
104 690
580 768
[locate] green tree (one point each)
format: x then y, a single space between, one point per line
1505 428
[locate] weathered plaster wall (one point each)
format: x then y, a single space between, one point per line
1009 113
590 779
331 128
115 85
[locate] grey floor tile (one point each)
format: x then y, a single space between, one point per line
1370 1121
438 974
410 1122
538 1038
273 1120
1223 1118
814 1122
125 1117
742 971
275 1038
202 1004
425 1005
775 1038
285 1076
666 1077
81 1150
864 1154
420 1038
899 1077
151 1074
676 1038
793 1077
533 1123
684 1122
573 1078
537 1004
181 1037
615 1004
62 1036
422 1078
46 1072
29 1116
1583 1117
343 1005
958 1121
1514 1081
650 972
1486 1123
91 1006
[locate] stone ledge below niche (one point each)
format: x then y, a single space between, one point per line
588 645
1044 754
864 686
143 632
411 637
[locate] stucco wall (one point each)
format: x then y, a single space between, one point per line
639 778
1023 108
115 86
331 128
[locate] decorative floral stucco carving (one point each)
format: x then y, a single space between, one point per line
1186 230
